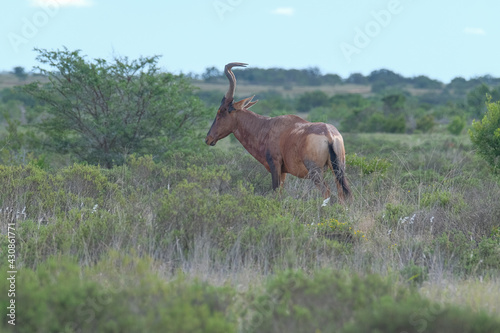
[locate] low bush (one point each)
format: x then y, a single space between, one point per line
414 314
456 125
293 302
424 210
368 166
61 297
336 301
485 135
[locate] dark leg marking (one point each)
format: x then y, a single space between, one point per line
274 171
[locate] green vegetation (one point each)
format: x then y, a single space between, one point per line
383 101
203 241
456 125
191 239
485 135
102 111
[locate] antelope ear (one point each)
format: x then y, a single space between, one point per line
244 103
250 104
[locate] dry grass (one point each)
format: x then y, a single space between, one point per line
477 294
412 216
245 89
8 80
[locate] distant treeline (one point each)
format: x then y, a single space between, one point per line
392 104
389 102
381 78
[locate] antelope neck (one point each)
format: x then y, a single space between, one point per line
251 131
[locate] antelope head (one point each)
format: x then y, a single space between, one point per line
225 120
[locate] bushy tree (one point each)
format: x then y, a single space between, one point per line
476 99
456 125
485 135
423 82
312 99
211 74
101 111
387 77
394 104
20 73
357 78
377 122
426 123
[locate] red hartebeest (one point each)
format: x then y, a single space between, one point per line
283 144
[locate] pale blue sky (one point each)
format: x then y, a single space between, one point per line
442 39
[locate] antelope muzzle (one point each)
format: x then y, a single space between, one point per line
209 140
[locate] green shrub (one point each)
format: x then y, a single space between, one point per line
29 188
495 233
488 253
410 180
37 241
485 135
51 297
414 314
456 125
86 181
426 123
42 194
293 302
444 199
190 212
395 124
101 111
378 122
441 198
310 100
86 233
460 251
329 114
320 114
61 297
334 301
368 166
332 228
414 274
394 213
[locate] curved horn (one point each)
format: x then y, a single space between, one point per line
232 79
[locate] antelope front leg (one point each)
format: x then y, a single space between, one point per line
276 176
274 169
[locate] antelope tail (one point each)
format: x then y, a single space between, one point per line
337 158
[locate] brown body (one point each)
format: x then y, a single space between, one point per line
284 144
